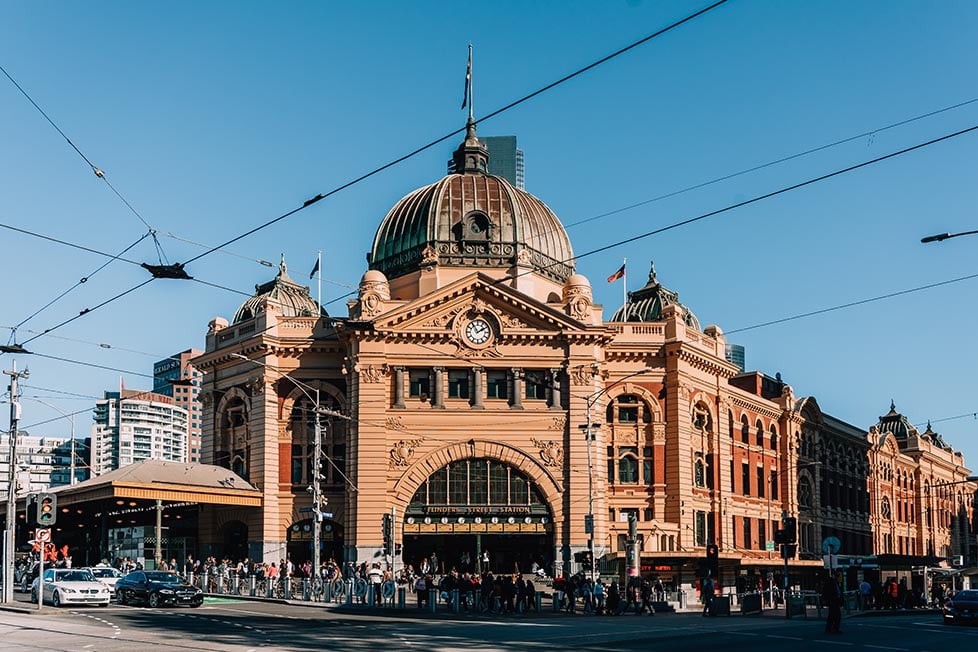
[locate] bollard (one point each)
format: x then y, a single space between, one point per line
433 600
401 597
454 598
682 599
558 598
203 582
306 589
349 592
236 585
190 578
220 585
287 593
538 601
252 583
371 594
269 587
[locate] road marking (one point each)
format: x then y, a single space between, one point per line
884 647
822 640
787 638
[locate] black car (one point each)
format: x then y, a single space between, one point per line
156 588
962 609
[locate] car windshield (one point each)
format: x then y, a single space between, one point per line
74 576
105 572
160 576
966 595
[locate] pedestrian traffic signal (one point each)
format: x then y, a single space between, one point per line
388 528
47 510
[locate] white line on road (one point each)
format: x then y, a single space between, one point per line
823 640
884 647
787 638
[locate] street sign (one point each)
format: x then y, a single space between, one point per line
769 546
42 535
831 545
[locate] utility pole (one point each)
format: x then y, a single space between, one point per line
317 513
11 523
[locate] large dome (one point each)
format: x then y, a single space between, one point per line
471 218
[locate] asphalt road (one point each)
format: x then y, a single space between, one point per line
243 625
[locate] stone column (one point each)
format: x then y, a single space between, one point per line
555 402
399 388
516 402
438 391
477 389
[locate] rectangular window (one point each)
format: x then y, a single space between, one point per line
458 383
709 471
627 414
745 477
747 533
774 485
535 383
700 532
761 533
420 383
478 482
760 482
496 385
733 488
498 483
648 471
458 483
648 514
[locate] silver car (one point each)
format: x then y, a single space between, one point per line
106 575
71 586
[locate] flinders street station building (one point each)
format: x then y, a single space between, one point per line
457 395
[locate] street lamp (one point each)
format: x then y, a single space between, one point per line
590 401
317 456
11 524
945 236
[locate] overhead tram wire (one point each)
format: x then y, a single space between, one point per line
90 364
762 166
852 304
415 152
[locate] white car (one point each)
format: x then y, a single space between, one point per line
106 575
67 586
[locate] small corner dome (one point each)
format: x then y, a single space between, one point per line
646 304
288 298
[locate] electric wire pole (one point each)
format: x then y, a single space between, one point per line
11 523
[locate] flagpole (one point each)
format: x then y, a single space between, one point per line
319 283
624 288
471 110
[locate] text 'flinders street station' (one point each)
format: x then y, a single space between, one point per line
458 393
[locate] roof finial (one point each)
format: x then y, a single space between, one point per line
282 269
892 406
467 98
652 272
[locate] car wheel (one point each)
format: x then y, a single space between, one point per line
56 599
154 600
121 597
199 600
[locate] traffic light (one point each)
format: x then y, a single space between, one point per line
47 510
388 527
780 537
713 559
790 529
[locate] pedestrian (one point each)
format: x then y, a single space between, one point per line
707 589
421 589
832 598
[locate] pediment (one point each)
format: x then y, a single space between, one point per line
446 311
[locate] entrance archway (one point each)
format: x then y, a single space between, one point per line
478 515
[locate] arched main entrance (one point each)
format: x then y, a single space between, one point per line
476 509
299 537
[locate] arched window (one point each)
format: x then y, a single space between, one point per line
699 473
760 433
477 482
730 423
628 409
774 437
233 449
744 429
332 437
885 510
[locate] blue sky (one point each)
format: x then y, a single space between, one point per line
212 117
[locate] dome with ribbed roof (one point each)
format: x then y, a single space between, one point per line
471 218
646 303
896 424
288 297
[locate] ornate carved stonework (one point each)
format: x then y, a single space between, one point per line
395 423
478 307
441 321
512 321
558 424
465 351
402 452
580 308
550 452
207 400
371 373
429 256
523 258
256 385
581 376
370 304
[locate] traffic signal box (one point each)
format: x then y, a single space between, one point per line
388 527
47 510
713 559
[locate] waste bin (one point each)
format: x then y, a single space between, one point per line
720 605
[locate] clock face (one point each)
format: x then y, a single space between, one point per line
478 331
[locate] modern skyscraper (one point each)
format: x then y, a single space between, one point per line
131 426
176 377
505 159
